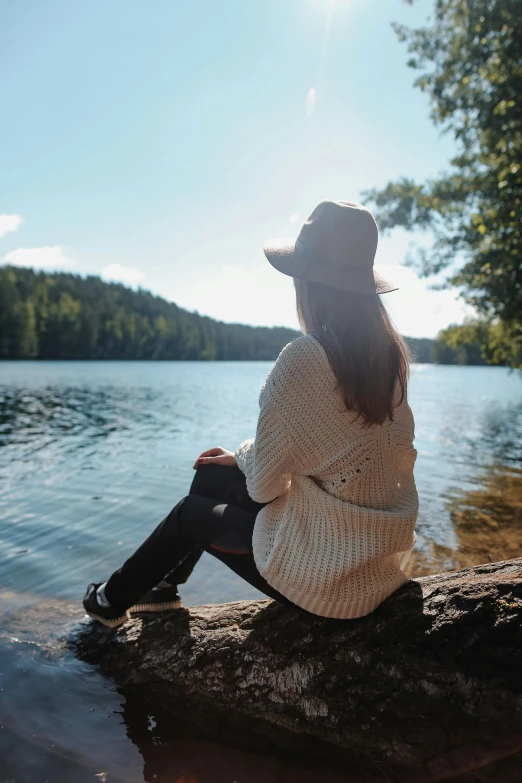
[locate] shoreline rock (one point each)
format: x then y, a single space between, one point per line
426 688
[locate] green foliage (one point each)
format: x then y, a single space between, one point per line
63 316
465 344
476 341
470 60
460 344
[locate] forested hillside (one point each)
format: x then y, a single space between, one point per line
64 316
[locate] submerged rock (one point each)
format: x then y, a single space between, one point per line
425 688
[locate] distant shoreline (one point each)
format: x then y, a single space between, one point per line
210 361
66 317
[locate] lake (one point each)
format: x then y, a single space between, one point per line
93 456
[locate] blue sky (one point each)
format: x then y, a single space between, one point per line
162 143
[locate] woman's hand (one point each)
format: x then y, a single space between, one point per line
217 456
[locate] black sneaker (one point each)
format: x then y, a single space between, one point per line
164 599
106 615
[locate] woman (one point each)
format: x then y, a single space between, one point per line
319 509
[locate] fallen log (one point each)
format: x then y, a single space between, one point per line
426 688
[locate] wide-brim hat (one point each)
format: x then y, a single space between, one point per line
336 246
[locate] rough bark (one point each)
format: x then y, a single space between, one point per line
426 688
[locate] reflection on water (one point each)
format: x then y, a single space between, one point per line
63 722
174 750
57 412
93 455
71 420
502 432
487 522
484 499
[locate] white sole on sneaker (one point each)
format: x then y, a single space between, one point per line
115 623
162 607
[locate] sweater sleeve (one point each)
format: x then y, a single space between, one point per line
269 459
265 459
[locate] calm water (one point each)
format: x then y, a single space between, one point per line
93 455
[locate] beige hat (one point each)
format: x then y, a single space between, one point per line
336 246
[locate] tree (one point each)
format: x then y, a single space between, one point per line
63 316
463 344
25 333
470 59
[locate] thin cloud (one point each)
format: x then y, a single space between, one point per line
41 257
9 223
122 274
294 217
311 99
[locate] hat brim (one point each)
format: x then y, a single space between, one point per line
288 259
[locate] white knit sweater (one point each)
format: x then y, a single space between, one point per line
342 502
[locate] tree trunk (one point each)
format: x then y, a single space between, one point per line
425 688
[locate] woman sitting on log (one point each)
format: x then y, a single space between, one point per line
319 509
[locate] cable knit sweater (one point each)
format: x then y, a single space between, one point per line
342 504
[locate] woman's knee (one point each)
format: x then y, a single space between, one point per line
192 515
178 509
172 520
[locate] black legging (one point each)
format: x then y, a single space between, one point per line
217 516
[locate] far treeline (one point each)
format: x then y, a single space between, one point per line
64 316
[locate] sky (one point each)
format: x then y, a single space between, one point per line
161 144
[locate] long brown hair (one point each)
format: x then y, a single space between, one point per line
366 353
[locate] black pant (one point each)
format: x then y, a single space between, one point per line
217 516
